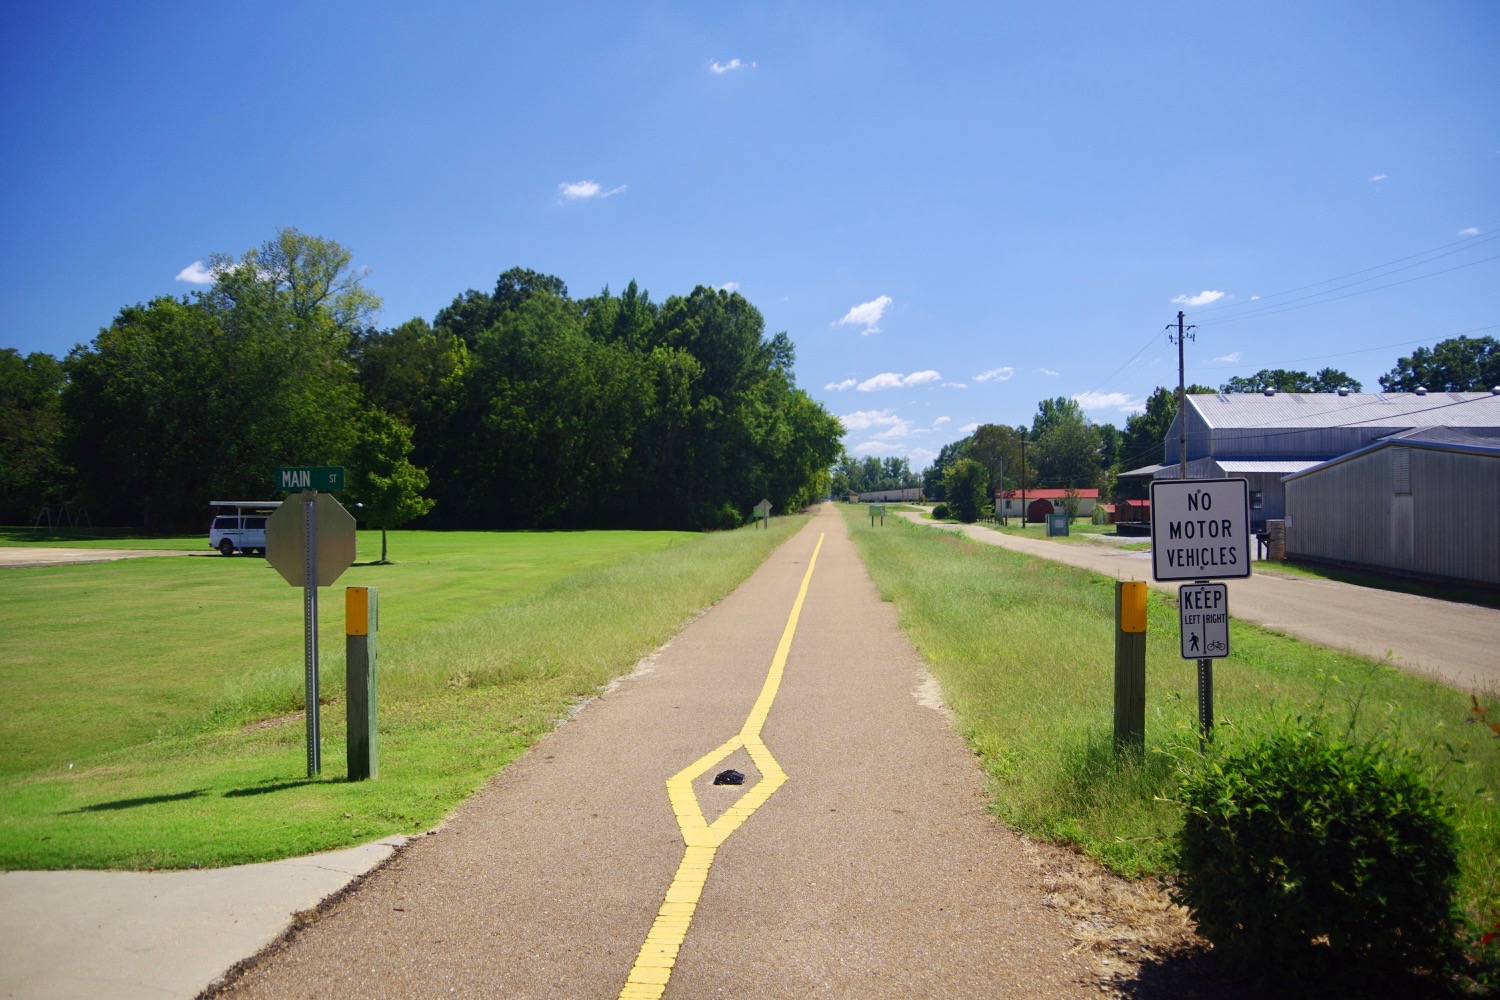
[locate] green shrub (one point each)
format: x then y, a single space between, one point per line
1302 854
941 512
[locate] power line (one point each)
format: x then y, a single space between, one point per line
1345 354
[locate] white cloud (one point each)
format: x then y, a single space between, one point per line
1107 401
719 69
861 420
940 421
848 383
584 190
730 286
1255 298
955 385
1471 231
866 314
921 456
1049 371
1002 374
1203 298
198 274
1230 358
894 380
1381 177
968 428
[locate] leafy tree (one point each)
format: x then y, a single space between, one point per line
1109 445
1052 411
32 474
409 370
180 402
383 478
1283 380
998 449
1067 454
966 486
1458 364
1145 437
932 476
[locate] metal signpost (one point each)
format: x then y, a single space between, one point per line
310 541
1200 531
763 513
877 510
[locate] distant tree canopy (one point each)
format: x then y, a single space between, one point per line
522 407
872 475
1282 380
1459 364
32 474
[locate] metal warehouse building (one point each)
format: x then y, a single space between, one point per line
1422 503
1265 437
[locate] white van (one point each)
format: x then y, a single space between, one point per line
240 525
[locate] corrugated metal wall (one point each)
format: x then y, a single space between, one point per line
1358 512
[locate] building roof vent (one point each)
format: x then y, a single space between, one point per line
1343 390
1421 390
1270 390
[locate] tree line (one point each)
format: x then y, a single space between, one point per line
520 407
1063 449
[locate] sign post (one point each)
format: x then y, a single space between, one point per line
1200 531
877 510
763 513
310 542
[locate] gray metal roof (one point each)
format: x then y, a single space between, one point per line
1239 466
1396 410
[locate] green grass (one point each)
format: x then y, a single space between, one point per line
155 706
1024 650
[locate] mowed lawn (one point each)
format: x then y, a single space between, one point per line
154 706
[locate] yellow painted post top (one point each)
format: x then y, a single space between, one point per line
1132 606
356 610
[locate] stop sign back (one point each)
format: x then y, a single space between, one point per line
287 548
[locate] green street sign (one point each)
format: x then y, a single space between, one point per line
309 477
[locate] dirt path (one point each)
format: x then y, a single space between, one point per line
26 557
873 871
1458 644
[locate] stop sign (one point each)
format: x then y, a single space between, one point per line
287 549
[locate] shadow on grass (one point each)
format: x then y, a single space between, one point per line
280 786
145 800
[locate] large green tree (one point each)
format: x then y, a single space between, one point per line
966 485
1068 454
1458 364
32 474
180 402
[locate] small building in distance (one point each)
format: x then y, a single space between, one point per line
911 495
1010 503
1422 503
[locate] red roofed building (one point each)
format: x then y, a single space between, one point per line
1051 503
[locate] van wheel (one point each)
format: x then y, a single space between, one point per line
226 547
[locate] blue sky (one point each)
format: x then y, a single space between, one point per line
955 210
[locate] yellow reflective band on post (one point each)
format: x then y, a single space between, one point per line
1133 606
356 610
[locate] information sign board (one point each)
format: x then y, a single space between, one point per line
1204 612
1200 529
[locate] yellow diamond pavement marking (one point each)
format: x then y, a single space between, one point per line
653 964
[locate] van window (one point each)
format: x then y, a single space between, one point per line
226 523
255 523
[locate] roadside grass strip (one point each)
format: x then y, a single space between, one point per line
154 707
652 971
1024 651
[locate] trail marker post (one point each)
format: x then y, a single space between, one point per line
763 513
361 622
310 542
877 510
1200 531
1130 665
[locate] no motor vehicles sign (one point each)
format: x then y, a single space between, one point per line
1200 529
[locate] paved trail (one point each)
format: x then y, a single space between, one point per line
1458 644
873 871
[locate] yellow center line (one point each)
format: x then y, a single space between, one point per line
658 955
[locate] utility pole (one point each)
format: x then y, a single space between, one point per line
1023 477
1182 334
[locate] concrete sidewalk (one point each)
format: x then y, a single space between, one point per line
140 935
1457 644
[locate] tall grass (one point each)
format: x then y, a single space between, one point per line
1024 650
